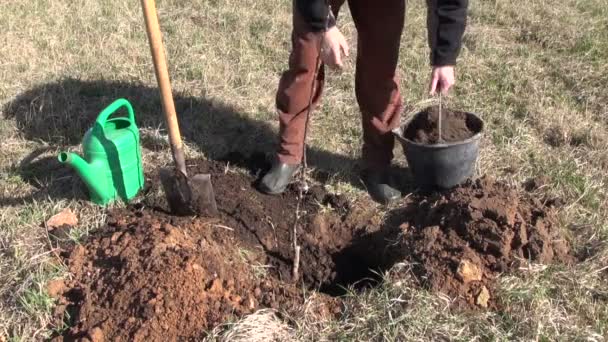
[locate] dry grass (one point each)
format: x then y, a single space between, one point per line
261 326
536 73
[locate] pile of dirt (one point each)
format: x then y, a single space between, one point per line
460 241
146 274
455 126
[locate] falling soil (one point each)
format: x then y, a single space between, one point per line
147 275
462 240
455 126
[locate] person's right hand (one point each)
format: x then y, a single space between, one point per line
333 45
442 79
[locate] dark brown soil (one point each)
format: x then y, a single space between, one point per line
147 275
462 240
456 126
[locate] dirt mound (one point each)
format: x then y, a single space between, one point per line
144 277
455 126
147 275
461 240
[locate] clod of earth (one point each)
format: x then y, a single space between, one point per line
468 271
66 217
55 287
483 297
146 275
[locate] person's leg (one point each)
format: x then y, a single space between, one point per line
292 100
379 31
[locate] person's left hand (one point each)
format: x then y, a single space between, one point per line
442 79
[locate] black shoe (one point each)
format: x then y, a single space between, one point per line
378 186
277 179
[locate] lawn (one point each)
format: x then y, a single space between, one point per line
535 73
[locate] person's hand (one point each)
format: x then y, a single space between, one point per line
333 45
442 79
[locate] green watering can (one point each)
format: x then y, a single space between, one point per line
112 165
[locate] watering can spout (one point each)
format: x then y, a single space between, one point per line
86 171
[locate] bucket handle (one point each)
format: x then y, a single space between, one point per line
112 108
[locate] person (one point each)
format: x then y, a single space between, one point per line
379 26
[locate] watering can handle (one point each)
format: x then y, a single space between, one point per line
111 109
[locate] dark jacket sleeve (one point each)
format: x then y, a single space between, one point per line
446 23
315 13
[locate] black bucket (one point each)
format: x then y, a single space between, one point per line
442 165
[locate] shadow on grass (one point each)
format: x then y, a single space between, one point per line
48 176
59 114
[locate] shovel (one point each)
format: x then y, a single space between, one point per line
185 195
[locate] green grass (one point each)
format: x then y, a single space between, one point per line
535 72
35 300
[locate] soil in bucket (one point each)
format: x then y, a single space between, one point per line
146 275
456 126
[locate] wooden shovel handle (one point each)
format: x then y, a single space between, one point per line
162 77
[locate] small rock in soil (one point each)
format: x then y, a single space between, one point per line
483 297
468 272
65 217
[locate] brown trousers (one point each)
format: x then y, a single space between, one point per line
379 29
